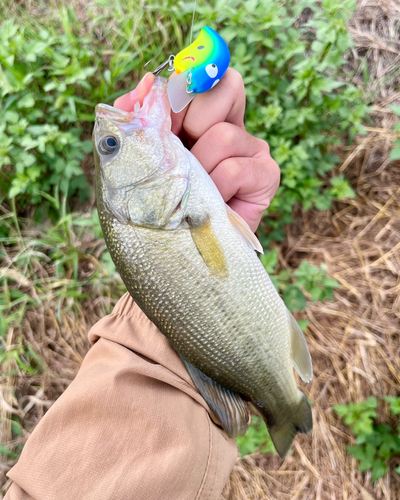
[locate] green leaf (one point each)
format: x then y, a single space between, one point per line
330 283
371 402
8 453
26 102
394 404
257 438
269 261
294 298
341 409
395 152
14 191
316 294
11 116
395 109
378 469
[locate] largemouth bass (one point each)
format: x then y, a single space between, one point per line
190 264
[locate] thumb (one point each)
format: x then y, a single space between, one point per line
127 101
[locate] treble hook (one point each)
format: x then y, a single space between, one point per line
168 63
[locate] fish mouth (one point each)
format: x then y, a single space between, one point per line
188 57
154 105
106 111
124 120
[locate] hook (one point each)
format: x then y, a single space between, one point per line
168 63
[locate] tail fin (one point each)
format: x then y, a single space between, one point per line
283 435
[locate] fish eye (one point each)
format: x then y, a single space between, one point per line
108 145
200 47
212 70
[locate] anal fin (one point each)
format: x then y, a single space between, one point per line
300 354
227 405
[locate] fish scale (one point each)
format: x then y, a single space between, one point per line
185 260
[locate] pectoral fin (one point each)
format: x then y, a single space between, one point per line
300 354
243 229
209 248
227 406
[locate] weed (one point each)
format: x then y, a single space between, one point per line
376 443
290 55
307 281
257 438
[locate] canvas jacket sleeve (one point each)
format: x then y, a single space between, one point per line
130 426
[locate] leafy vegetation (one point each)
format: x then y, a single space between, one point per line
257 438
42 113
376 443
307 281
289 53
53 73
57 267
291 57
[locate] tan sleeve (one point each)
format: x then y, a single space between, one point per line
130 426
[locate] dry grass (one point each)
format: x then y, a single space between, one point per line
57 309
354 341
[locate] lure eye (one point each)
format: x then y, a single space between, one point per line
108 145
200 47
212 70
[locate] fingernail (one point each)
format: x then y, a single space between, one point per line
134 93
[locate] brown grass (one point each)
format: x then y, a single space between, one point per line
56 329
355 340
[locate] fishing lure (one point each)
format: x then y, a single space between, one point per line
199 67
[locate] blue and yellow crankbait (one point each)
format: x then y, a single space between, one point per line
199 68
205 61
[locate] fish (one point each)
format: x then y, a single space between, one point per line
190 263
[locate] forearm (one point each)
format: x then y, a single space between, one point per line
131 425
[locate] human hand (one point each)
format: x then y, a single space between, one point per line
212 128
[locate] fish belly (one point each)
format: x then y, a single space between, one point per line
235 330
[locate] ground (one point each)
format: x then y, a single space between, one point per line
354 340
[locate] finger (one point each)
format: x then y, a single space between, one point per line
247 185
127 101
225 102
225 140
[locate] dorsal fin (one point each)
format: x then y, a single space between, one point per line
300 354
227 405
243 229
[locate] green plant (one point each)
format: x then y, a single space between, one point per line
290 54
61 265
376 443
41 76
395 153
295 286
51 77
257 438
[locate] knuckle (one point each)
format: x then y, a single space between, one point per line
275 172
231 168
269 163
234 80
264 147
225 133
